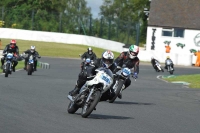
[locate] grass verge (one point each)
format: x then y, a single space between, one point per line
194 80
52 49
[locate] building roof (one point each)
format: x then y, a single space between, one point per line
175 13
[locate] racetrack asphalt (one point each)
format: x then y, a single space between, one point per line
38 103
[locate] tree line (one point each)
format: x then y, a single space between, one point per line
118 20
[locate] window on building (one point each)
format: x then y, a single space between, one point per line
176 32
179 32
167 32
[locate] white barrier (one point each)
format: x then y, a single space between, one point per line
61 38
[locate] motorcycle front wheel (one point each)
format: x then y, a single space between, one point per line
89 107
119 87
29 69
7 69
72 108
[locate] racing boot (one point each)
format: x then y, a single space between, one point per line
74 91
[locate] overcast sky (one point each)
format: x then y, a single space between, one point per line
94 4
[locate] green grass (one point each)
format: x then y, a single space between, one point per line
55 49
194 80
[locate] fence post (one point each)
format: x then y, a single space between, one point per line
32 20
60 21
90 25
138 33
109 26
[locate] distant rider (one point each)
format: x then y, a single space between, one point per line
11 48
30 52
129 59
89 54
168 58
153 62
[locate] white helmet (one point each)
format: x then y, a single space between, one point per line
107 58
32 49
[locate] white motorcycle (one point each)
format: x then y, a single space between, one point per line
91 92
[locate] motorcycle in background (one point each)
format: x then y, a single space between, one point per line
158 67
170 69
91 92
7 67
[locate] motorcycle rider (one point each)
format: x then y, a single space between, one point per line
153 62
30 52
89 54
130 60
168 58
11 48
105 61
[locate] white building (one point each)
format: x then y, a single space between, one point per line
177 21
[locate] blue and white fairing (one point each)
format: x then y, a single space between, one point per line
103 76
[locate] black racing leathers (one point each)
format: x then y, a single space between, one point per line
35 54
14 51
124 60
87 55
153 62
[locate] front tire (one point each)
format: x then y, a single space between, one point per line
89 107
7 69
72 108
119 87
29 69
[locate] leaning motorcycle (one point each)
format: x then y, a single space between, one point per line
7 67
170 69
158 67
91 92
119 79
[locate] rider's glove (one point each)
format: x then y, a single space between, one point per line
135 75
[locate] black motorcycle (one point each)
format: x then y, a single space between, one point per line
91 92
7 67
119 79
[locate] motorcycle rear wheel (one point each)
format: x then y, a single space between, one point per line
119 87
89 107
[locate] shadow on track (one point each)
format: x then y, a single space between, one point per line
136 103
99 116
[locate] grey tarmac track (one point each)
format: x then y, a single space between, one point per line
38 103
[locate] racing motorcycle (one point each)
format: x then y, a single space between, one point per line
30 63
7 67
119 79
158 67
91 92
170 69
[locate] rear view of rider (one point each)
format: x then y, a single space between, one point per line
11 48
153 62
30 52
89 54
105 61
129 59
168 58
